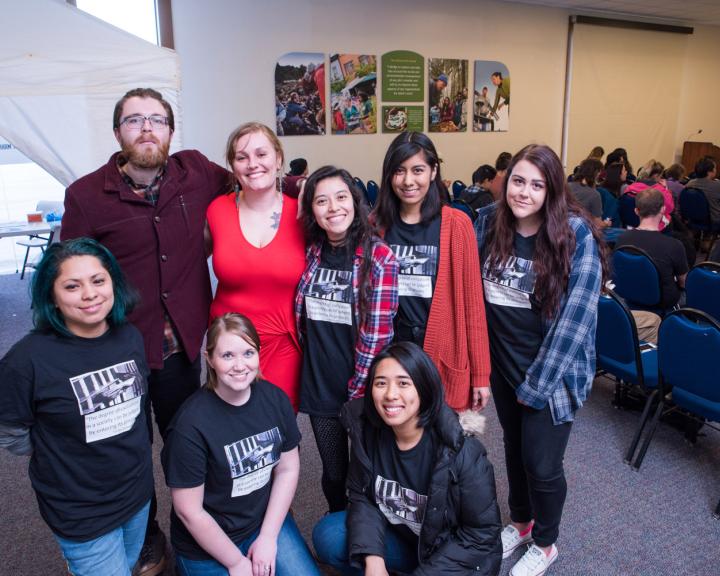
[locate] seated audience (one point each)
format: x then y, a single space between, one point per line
610 190
620 155
705 174
651 176
667 252
501 165
480 193
292 181
596 153
422 491
674 176
583 187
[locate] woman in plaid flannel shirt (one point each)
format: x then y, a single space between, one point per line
344 307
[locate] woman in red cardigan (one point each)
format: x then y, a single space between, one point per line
441 299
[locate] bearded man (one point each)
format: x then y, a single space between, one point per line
148 208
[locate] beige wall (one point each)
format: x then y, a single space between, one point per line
228 50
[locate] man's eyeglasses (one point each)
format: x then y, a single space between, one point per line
137 121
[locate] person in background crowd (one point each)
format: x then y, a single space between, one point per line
543 263
480 193
422 491
292 181
344 308
72 398
441 305
674 176
583 188
148 208
705 180
232 464
258 252
501 165
620 155
502 91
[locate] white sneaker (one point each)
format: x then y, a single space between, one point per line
511 539
534 562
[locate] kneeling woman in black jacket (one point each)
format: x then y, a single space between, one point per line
422 494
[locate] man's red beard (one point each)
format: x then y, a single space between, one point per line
149 157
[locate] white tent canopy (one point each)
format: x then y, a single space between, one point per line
61 73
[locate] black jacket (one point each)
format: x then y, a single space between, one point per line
461 530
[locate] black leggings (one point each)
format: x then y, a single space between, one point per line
534 451
332 443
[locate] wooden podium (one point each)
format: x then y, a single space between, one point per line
693 151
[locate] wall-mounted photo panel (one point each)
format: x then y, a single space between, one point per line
491 97
447 95
403 76
300 94
353 78
402 118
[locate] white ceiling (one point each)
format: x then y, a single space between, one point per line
685 12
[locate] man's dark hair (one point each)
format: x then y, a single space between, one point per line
298 166
143 93
484 172
704 166
503 161
649 202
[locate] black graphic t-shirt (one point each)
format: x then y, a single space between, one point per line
402 479
329 357
416 247
513 313
232 450
82 399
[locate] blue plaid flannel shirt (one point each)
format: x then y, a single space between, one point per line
563 371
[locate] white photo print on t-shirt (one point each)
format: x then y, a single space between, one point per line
252 460
109 399
418 265
512 286
400 505
328 297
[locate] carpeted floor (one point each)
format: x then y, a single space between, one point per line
656 522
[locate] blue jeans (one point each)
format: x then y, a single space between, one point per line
293 557
112 554
330 542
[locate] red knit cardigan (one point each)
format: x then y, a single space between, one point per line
456 336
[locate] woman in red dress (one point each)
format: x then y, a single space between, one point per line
259 252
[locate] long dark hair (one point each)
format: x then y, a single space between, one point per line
555 241
612 182
404 146
360 233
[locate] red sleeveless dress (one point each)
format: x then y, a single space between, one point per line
261 283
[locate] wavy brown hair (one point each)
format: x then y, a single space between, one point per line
555 242
360 232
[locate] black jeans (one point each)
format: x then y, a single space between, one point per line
534 451
169 387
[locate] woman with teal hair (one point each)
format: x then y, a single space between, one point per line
71 396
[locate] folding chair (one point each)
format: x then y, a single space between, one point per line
688 349
637 279
38 240
621 354
695 210
457 188
626 211
702 288
372 192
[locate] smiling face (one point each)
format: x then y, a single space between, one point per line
526 191
148 147
83 294
256 163
411 182
333 208
395 397
236 363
